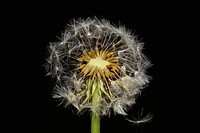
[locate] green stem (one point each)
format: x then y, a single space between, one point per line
95 118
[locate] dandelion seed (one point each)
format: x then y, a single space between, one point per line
141 118
96 58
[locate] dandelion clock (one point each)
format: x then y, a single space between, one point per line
98 67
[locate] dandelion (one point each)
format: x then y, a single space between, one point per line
99 67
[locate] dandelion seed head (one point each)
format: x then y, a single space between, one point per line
95 49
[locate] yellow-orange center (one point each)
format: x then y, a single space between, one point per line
98 62
99 65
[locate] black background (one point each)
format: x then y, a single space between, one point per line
169 31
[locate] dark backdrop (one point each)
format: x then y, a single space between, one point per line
169 31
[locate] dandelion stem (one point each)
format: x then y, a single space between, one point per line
95 118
